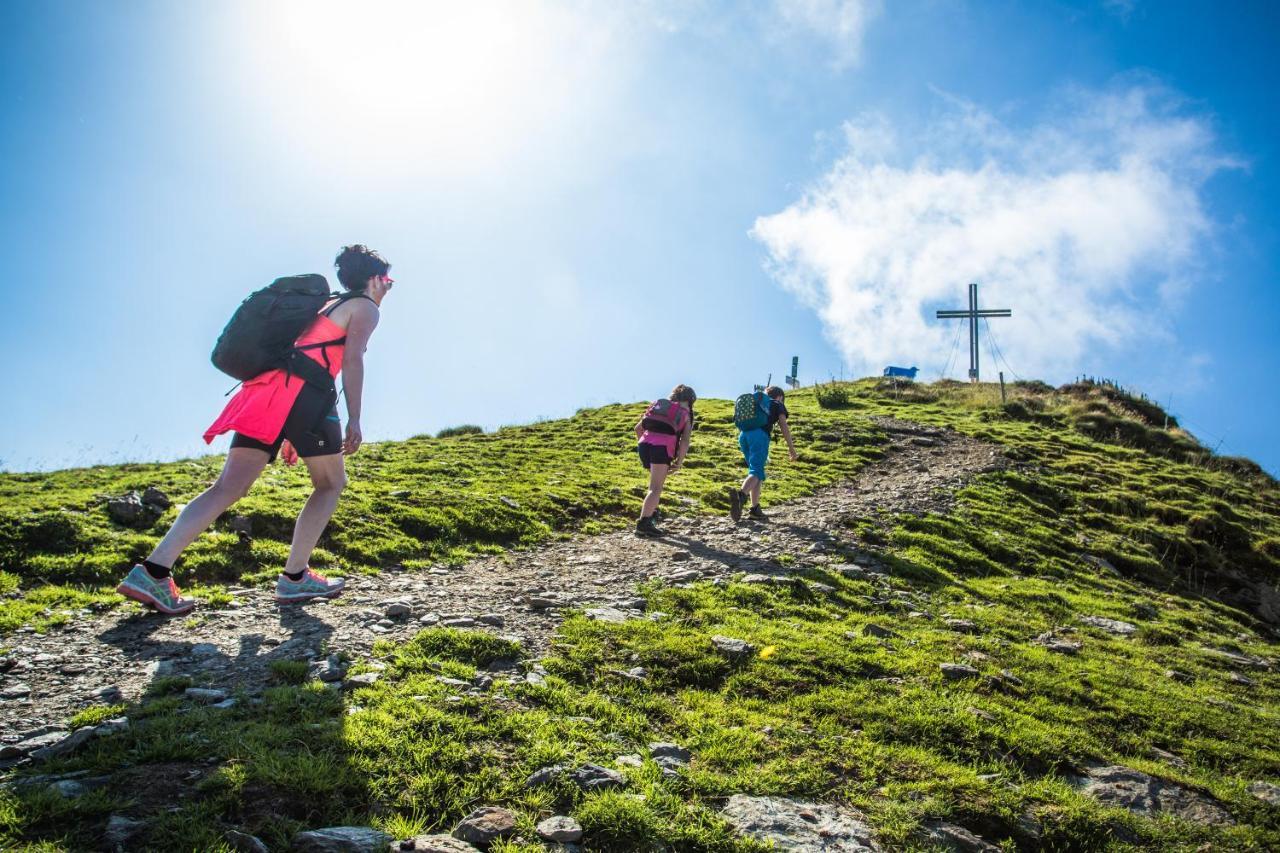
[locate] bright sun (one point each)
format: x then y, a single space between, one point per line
426 87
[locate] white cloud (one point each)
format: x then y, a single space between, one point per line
842 24
1087 224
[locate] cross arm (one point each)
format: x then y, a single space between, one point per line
989 312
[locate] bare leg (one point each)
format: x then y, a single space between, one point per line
329 477
751 486
657 476
241 469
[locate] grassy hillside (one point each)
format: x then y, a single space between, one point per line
411 503
1107 513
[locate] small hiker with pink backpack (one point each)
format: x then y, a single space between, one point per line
663 435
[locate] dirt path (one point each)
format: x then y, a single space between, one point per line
112 657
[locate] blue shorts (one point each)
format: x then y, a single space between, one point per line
755 448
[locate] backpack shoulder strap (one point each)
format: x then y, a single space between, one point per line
345 297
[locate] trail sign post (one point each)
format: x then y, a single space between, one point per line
973 314
795 367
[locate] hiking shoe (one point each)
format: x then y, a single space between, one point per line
735 504
757 513
646 527
161 594
310 586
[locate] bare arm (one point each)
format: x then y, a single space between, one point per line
364 319
683 450
639 429
786 434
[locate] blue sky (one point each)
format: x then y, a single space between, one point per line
586 202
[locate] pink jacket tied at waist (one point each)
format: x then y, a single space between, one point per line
261 406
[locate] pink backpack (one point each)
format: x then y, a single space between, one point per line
666 413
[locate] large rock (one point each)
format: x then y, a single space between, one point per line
340 839
800 827
432 844
485 825
1124 787
131 511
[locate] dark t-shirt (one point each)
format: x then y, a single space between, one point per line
776 410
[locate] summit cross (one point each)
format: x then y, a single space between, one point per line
973 314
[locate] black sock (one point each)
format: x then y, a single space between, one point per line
297 577
157 571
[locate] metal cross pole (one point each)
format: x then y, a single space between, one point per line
973 314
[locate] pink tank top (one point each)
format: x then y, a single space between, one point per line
261 406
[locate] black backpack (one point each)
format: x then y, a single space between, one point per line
260 336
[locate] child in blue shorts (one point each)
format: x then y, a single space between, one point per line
755 449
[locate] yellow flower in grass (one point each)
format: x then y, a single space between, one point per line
767 652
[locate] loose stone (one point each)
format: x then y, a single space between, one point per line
732 648
1111 626
432 844
593 777
560 829
340 839
1147 796
606 614
670 750
800 827
486 825
204 695
243 842
957 671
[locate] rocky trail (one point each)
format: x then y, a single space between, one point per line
113 656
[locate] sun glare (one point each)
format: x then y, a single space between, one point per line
426 87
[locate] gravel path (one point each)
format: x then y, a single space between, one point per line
113 656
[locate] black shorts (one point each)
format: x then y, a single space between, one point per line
653 454
311 429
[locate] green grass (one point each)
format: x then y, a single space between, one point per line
412 503
821 710
289 671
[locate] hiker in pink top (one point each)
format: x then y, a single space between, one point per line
278 412
663 433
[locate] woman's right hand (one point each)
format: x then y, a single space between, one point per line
354 438
288 453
